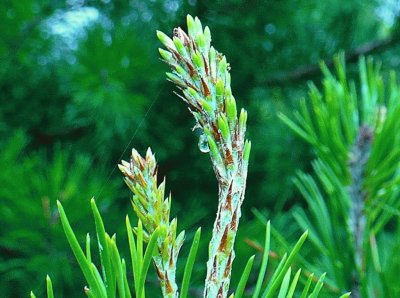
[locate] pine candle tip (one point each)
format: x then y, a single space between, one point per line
246 150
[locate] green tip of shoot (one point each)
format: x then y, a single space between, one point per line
190 24
50 293
59 206
93 203
167 56
246 150
165 40
305 235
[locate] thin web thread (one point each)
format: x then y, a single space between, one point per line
130 142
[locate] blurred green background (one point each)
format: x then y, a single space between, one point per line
81 83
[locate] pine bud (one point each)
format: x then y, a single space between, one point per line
231 110
223 127
198 59
207 107
167 56
179 46
242 122
246 151
191 25
166 40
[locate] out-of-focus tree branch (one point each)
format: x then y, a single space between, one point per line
307 71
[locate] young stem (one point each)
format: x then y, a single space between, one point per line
221 253
359 157
202 74
153 209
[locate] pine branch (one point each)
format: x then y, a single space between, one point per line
202 74
307 71
358 159
153 210
356 141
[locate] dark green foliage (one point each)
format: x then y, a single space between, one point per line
353 129
32 242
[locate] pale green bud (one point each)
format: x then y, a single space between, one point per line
231 111
179 46
198 59
175 79
201 42
207 36
165 40
180 70
207 107
191 25
167 56
213 63
172 227
192 92
199 27
222 67
228 79
220 88
223 127
242 120
213 148
178 242
246 150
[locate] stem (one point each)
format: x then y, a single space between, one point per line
221 252
202 73
153 209
358 160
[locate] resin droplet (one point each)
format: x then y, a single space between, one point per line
203 144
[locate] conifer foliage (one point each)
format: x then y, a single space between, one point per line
354 198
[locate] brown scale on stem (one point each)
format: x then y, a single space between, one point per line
228 266
159 273
206 90
222 244
141 179
171 257
176 54
220 292
228 156
235 138
234 220
168 285
205 65
214 270
216 132
228 203
218 221
192 70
